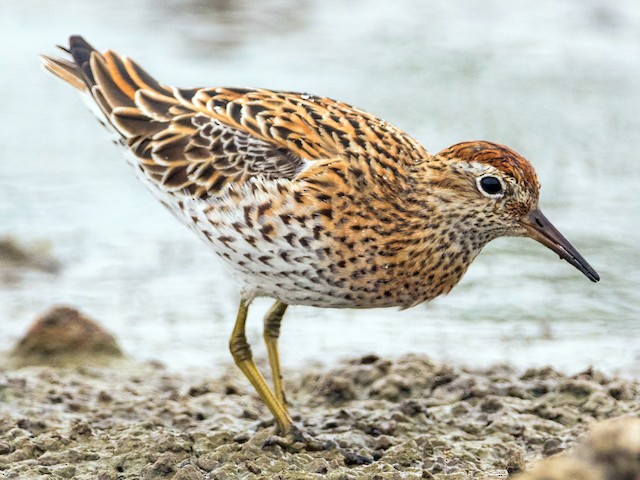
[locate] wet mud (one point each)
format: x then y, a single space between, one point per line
389 419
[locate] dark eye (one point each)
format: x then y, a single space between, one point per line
491 185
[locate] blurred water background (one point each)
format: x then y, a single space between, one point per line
557 81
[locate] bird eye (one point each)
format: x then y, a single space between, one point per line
491 186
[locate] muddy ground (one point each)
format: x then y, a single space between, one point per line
390 419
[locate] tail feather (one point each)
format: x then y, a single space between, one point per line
81 52
64 70
113 83
143 116
116 94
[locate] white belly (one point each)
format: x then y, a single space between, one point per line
268 255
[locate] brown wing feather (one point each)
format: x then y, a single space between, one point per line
198 141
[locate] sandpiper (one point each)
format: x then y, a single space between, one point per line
308 200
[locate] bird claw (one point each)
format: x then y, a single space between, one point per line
296 440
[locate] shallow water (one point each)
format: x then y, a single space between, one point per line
559 83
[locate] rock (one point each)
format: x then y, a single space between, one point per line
63 333
615 446
36 257
610 452
568 468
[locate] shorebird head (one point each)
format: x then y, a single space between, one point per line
500 189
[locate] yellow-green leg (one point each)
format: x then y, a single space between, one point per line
271 333
241 352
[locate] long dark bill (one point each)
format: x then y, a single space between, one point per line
542 230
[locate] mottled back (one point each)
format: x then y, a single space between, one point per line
197 141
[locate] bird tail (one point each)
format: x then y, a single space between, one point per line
108 82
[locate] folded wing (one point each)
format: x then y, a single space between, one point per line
198 141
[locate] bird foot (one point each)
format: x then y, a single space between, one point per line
297 440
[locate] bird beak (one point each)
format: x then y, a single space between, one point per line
541 229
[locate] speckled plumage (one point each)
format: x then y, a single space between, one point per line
309 200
